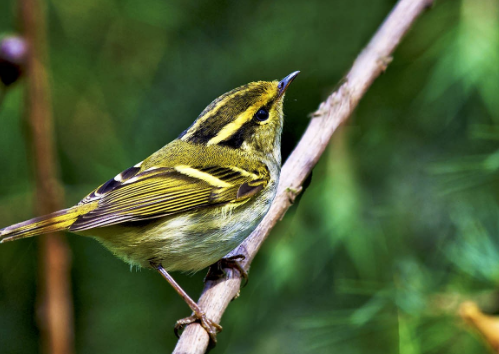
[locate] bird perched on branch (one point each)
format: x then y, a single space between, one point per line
194 200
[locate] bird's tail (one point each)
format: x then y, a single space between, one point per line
58 221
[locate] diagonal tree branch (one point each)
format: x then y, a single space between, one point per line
372 61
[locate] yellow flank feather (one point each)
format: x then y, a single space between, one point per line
244 172
210 179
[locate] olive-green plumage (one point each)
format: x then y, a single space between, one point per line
194 200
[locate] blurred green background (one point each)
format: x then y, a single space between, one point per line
400 222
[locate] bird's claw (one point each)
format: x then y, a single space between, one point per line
211 327
217 271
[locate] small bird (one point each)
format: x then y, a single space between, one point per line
194 200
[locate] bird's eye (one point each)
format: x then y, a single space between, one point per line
261 115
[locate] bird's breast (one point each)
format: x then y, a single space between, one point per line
189 241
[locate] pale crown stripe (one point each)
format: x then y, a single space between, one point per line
192 172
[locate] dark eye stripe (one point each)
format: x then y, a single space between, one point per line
213 119
237 139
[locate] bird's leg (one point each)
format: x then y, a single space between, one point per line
217 271
198 314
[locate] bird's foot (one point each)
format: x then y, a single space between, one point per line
217 270
211 327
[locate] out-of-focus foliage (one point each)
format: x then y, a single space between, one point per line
399 225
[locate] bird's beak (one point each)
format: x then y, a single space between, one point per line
284 83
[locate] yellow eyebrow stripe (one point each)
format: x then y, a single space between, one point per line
210 179
231 128
212 112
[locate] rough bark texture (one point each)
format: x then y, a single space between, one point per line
372 61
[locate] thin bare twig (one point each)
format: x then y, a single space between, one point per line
55 308
335 110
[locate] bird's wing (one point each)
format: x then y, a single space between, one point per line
136 195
